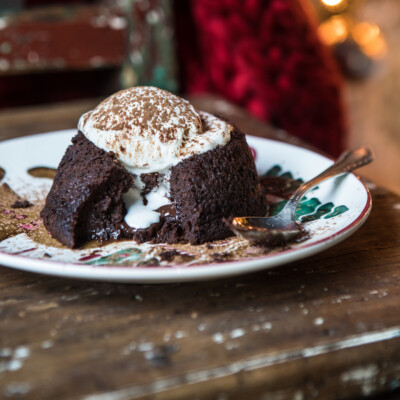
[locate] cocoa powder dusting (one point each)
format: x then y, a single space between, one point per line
14 222
146 111
27 220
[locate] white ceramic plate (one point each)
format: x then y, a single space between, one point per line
346 196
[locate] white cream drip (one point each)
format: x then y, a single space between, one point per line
140 216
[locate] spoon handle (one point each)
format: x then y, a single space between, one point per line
348 161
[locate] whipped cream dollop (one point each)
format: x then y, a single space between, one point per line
150 129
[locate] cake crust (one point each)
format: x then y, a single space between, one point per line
208 187
85 201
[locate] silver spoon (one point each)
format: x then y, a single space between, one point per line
283 227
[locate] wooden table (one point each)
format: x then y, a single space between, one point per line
325 327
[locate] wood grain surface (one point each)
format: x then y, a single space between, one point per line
325 327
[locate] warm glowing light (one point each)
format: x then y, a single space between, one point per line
335 5
376 49
370 39
365 32
332 3
334 30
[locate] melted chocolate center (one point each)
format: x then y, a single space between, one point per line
169 210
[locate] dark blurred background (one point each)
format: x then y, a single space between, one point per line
327 71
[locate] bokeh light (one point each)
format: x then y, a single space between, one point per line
332 3
335 5
369 37
334 30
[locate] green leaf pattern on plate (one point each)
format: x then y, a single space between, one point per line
309 209
120 257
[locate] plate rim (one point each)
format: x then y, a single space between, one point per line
184 273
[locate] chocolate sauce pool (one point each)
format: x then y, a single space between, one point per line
279 186
42 172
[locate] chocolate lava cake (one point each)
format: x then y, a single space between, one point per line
88 199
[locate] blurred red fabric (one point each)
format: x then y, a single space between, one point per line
266 56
